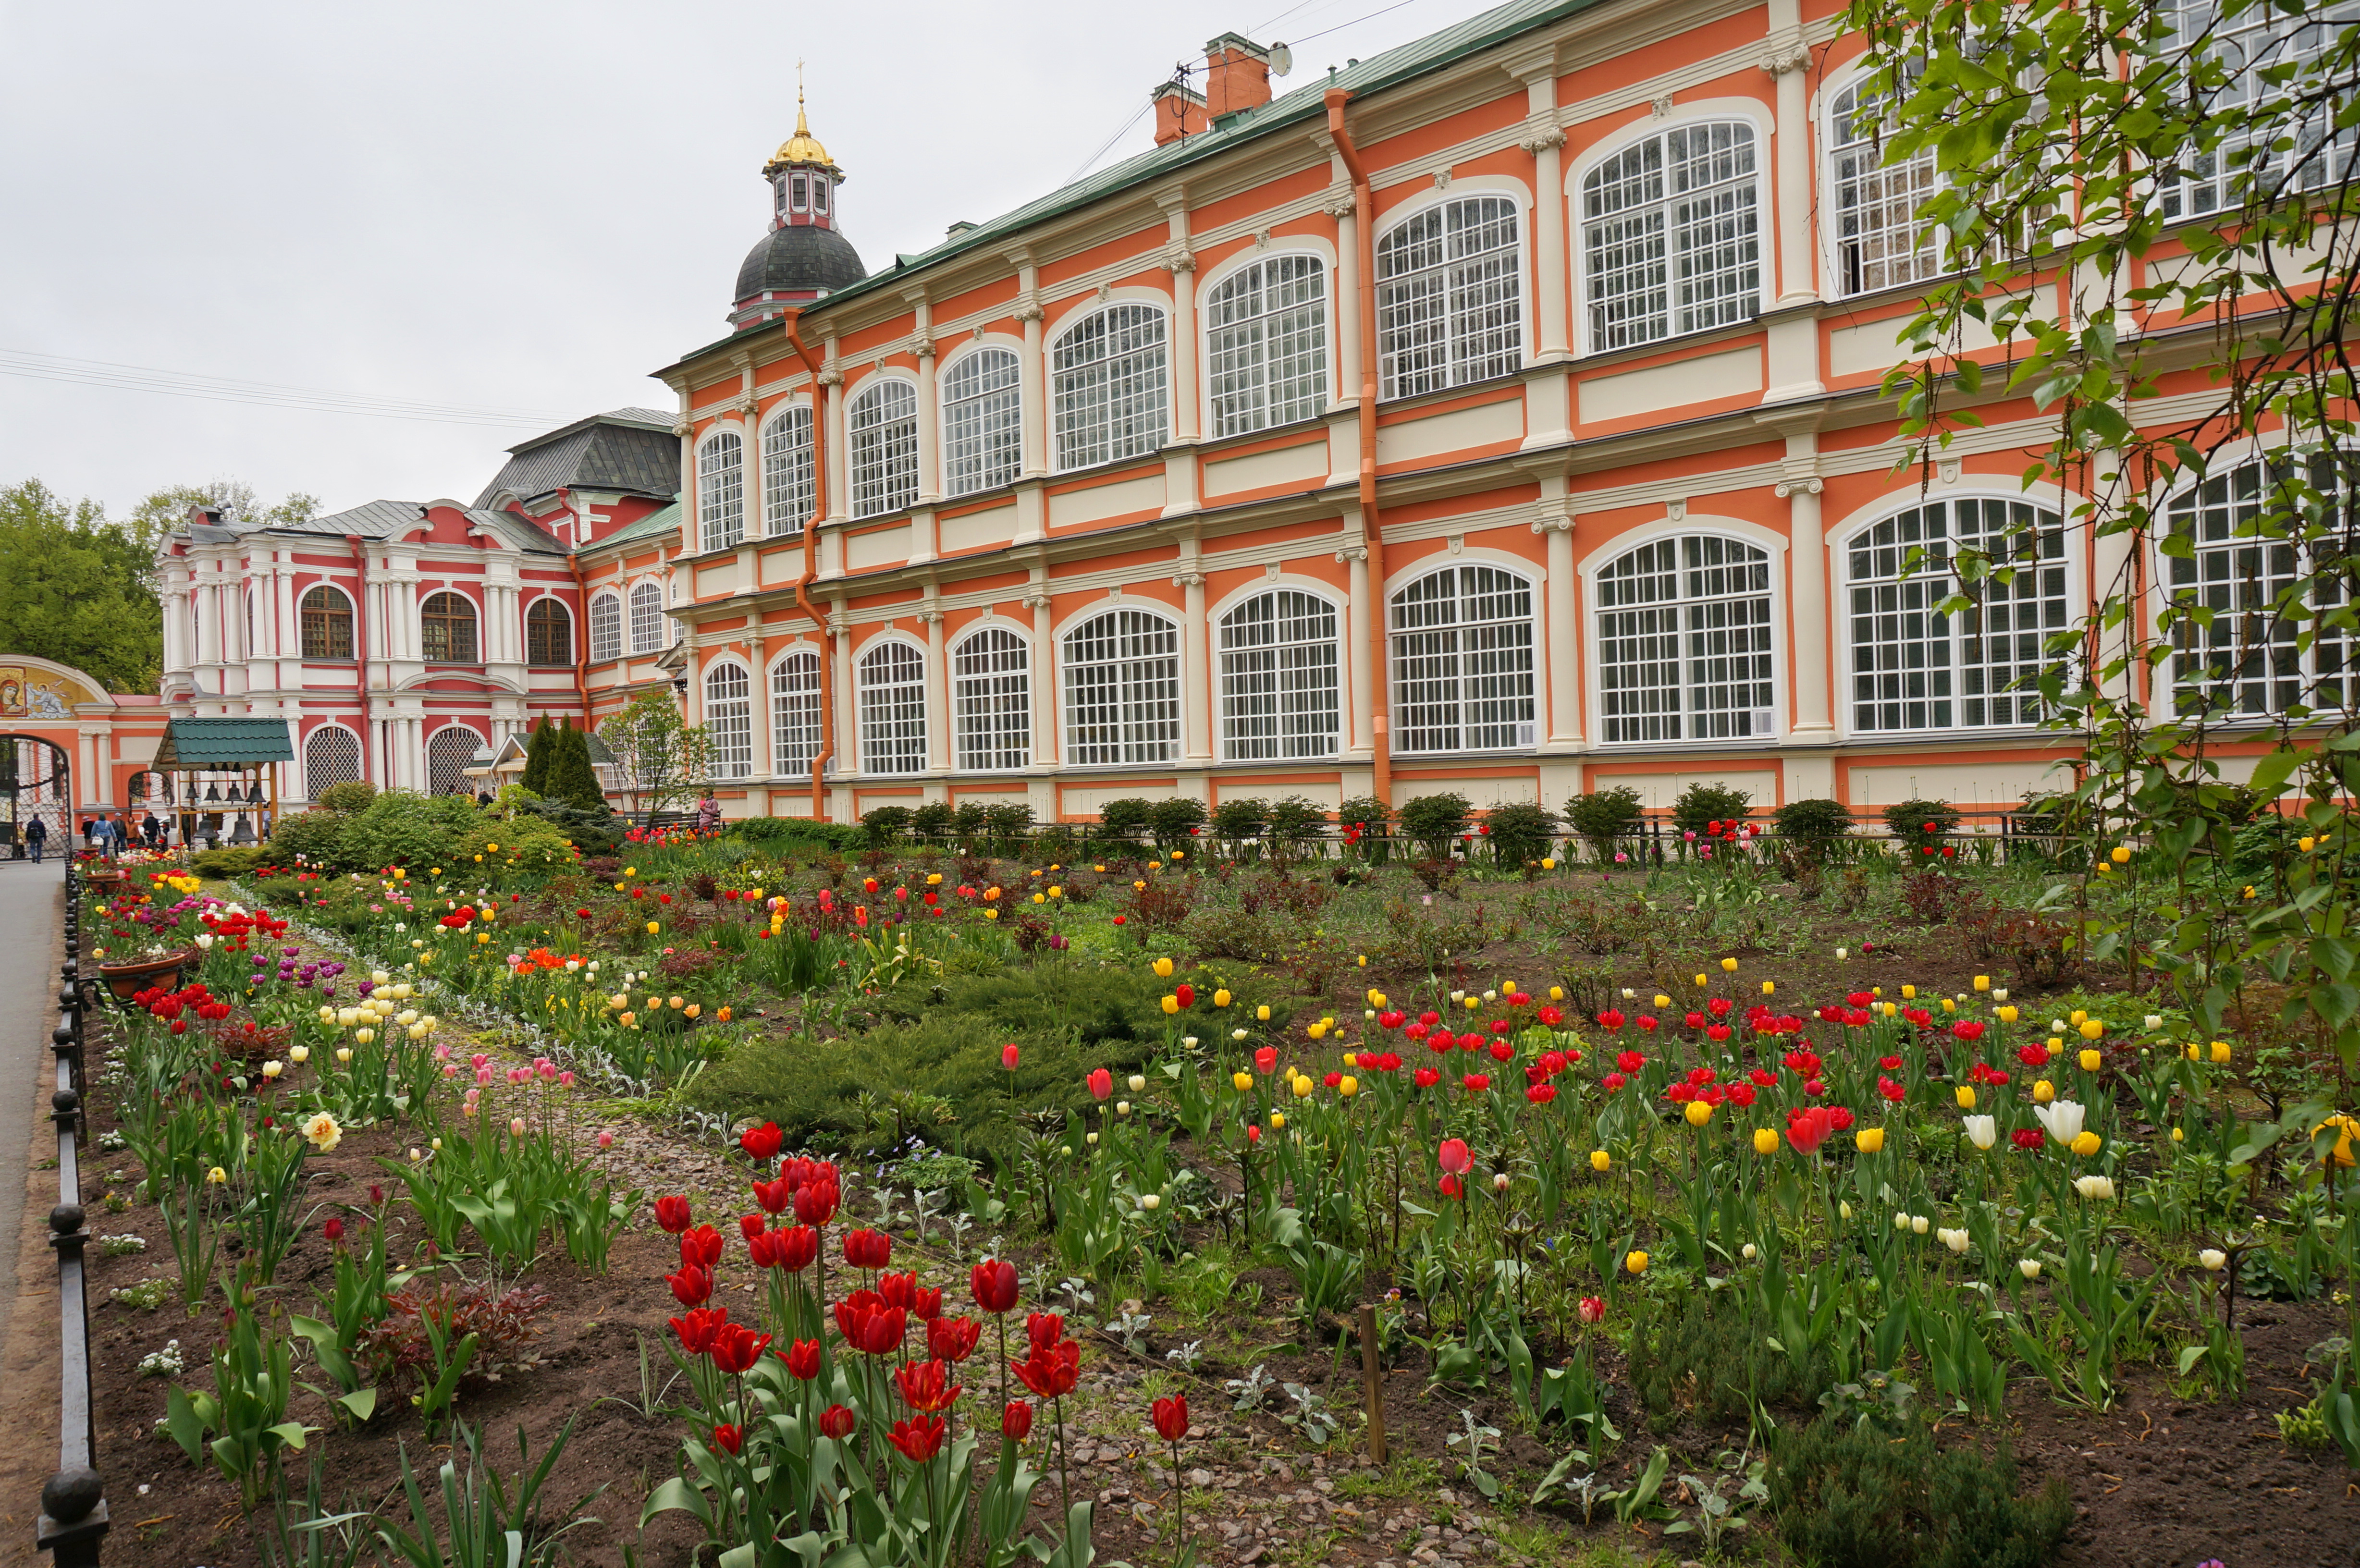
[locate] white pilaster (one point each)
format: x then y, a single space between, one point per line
1353 735
1196 672
1561 617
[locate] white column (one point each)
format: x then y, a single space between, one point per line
929 413
1542 142
1787 58
2111 577
1031 372
848 697
1347 306
1041 680
757 661
1355 740
840 460
938 693
1561 599
1807 557
1180 260
1195 676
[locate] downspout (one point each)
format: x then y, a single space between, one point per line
360 646
581 643
826 751
1381 763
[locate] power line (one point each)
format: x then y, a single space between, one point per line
32 365
1353 23
1091 161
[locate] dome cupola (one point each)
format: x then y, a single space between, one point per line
804 257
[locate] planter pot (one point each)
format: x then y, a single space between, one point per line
125 981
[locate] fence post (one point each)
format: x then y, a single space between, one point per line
73 1518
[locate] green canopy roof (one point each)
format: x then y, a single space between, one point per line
223 742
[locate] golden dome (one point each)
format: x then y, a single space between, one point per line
802 146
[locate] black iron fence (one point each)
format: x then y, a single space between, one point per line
74 1501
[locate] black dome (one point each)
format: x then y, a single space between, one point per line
800 258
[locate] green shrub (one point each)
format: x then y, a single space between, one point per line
352 795
526 845
239 861
1702 804
1240 821
1520 833
316 837
1175 822
401 827
2266 843
1294 822
1366 813
1009 820
1126 819
932 821
592 833
1849 1494
1433 820
789 830
1710 1349
1602 816
887 825
1810 826
1919 823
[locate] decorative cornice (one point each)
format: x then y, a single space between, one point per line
1189 579
1179 259
1807 486
1036 600
831 376
924 348
1352 553
1785 54
1545 141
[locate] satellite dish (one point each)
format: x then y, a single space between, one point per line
1281 60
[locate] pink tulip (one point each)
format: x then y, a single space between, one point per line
605 1139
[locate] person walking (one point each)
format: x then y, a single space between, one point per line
36 833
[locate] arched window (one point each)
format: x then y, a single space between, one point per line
1683 641
1278 678
991 702
1915 668
1877 242
446 624
729 719
2269 55
449 750
893 709
332 755
1462 647
1122 689
327 623
1108 386
1266 344
790 490
794 713
547 633
983 422
883 422
2236 549
646 618
1669 238
1450 297
721 490
605 627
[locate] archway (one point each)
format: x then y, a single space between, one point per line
36 783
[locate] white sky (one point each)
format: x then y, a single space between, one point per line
522 207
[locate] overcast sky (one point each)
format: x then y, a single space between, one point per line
513 206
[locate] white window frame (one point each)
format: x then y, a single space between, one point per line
352 625
790 477
458 770
1921 264
565 611
1281 694
418 619
720 490
1444 357
647 630
1431 711
606 630
880 426
1933 673
729 718
1122 687
983 425
1658 243
796 731
1237 357
1115 405
1692 616
992 699
2209 190
311 785
892 707
2266 694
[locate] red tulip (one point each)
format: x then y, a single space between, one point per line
735 1348
1266 1060
837 1423
926 1386
815 1201
693 1286
899 1290
867 1250
1187 994
1016 1420
1008 1056
925 1305
728 1438
774 1196
802 1359
1808 1129
762 1143
1051 1371
1592 1310
697 1329
749 1226
671 1214
1455 1157
794 1247
1101 1083
994 1284
1043 1328
951 1339
333 1230
701 1248
919 1440
1172 1417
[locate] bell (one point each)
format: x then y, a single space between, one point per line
212 791
244 832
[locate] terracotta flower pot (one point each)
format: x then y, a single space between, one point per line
125 981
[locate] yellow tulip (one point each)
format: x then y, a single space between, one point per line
1317 1031
1171 1004
2195 1051
1039 900
1220 999
1729 966
1303 1087
1966 1096
2091 1028
2043 1092
1349 1086
2307 843
2007 1015
1261 1014
1636 1263
2121 855
2087 1144
2220 1052
2091 1061
1278 1120
1556 994
2055 1046
653 927
1351 1059
2180 1134
1870 1139
1698 1113
1601 1160
1769 987
1241 1082
2078 1016
1163 967
1662 1000
1909 992
1983 982
1700 979
1764 1142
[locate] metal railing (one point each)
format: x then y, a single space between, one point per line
74 1501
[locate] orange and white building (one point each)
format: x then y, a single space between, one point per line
1498 415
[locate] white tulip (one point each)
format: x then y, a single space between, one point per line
2099 1189
1919 1225
1981 1131
2154 1022
205 941
2029 1267
2000 994
1747 1252
1137 1082
2062 1118
2213 1259
1956 1240
1841 953
1901 1221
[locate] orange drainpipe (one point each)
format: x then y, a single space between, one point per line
582 642
826 751
1364 203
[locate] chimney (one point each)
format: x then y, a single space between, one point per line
1179 112
1237 75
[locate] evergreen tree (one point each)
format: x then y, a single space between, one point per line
536 757
572 779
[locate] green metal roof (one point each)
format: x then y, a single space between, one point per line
662 520
1390 69
223 742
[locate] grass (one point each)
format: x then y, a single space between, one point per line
1406 1476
